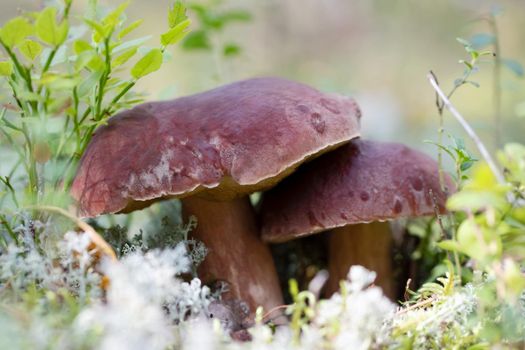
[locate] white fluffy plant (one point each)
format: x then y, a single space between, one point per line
139 308
354 318
146 305
68 266
145 300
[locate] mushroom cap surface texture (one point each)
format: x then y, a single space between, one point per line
220 144
360 182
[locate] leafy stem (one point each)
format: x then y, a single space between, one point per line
468 129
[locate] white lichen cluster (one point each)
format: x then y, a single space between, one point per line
140 308
355 316
352 319
144 301
66 299
70 266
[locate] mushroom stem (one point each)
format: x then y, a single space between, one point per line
236 254
368 245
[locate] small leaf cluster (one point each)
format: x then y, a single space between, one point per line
471 64
61 80
463 159
212 20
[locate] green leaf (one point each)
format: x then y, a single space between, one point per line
113 18
463 42
514 66
58 81
87 85
30 49
468 64
96 63
129 28
478 242
150 63
293 288
175 34
176 14
467 165
444 148
47 28
131 43
84 59
449 245
15 31
123 58
231 50
475 200
197 40
99 31
6 68
80 46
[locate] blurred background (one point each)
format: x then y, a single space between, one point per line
379 51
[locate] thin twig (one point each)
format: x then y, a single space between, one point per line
277 308
419 304
90 231
471 133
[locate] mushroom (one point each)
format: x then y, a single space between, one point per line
352 192
211 150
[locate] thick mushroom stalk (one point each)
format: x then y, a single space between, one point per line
220 145
236 254
368 245
345 190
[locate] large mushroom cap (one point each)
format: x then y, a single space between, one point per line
232 140
360 182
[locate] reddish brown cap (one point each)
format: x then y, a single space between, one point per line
229 141
360 182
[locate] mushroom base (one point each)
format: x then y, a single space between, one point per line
236 254
369 245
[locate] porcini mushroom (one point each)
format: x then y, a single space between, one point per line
352 192
212 150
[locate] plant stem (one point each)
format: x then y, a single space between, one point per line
496 84
100 243
8 228
441 129
468 129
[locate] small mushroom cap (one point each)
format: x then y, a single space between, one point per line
224 143
360 182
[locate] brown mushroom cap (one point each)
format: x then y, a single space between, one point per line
360 182
230 141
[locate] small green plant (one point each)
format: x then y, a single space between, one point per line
63 80
212 19
301 311
61 77
487 222
462 158
471 66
